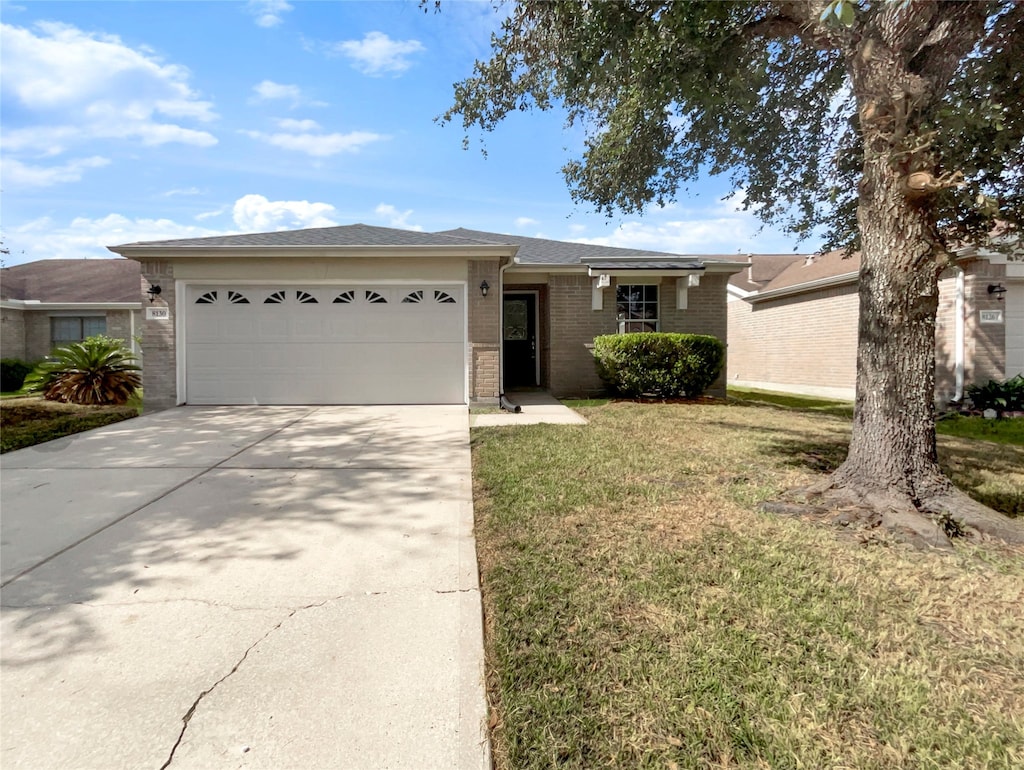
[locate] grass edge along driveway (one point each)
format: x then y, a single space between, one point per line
640 613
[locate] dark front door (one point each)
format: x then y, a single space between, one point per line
520 340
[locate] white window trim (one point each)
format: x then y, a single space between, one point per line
657 302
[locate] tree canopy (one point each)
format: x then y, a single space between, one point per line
762 92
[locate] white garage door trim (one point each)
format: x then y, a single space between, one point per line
452 345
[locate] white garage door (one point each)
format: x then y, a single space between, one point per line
343 344
1014 328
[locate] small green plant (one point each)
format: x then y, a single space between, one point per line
13 372
97 371
1006 396
666 365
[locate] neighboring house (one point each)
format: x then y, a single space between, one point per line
793 324
57 301
372 315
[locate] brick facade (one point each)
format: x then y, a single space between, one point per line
159 375
573 325
27 334
484 331
807 342
12 334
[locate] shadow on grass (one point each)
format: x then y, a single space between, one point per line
982 471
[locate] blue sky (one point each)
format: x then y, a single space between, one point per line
127 121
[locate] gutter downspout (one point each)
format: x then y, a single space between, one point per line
501 326
958 336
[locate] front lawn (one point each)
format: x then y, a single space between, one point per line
641 613
31 420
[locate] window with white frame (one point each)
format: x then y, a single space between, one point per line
636 306
67 329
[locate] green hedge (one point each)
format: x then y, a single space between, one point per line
660 364
13 372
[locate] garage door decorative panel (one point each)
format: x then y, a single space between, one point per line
325 345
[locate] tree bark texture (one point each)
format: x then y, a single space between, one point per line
892 463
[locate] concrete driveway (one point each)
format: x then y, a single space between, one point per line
257 587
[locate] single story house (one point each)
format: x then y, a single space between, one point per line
58 301
793 323
371 315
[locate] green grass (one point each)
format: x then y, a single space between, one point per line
641 614
1008 431
27 421
1003 431
792 401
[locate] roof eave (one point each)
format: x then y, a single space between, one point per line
801 288
30 304
474 251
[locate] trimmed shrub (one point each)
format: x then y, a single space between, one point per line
96 371
660 364
1005 396
13 372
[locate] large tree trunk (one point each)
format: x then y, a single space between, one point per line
892 466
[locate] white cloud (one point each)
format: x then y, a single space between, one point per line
577 229
76 87
18 174
298 136
522 222
721 228
254 213
288 124
88 238
185 191
378 54
268 13
396 218
211 214
268 91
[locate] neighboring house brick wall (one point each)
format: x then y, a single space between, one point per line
119 326
12 334
159 378
985 343
484 332
805 342
945 338
37 334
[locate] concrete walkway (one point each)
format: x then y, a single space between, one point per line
537 407
290 587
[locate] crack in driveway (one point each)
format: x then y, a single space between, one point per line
195 704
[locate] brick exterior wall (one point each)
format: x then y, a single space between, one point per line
484 331
985 354
28 335
807 343
945 338
12 333
573 325
159 375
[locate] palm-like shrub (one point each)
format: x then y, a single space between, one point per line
97 371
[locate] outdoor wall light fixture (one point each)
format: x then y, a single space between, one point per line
485 287
153 291
997 289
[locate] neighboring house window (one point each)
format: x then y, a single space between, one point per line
67 329
637 307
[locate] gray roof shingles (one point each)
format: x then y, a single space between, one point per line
531 251
73 280
346 235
